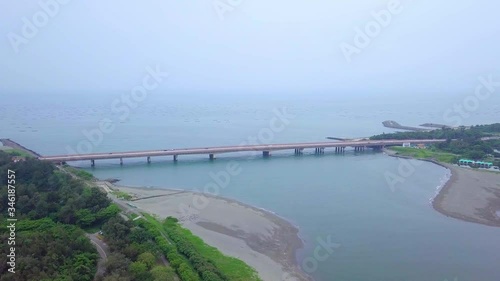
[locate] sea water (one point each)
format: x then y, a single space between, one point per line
382 230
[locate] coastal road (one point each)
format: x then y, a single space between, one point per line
103 251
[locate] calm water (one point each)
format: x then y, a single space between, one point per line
382 234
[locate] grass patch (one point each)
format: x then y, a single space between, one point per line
179 262
426 154
17 152
84 175
232 268
122 195
153 221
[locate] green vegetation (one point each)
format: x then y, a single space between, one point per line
17 152
205 267
426 154
51 251
162 273
461 143
140 243
122 195
192 258
50 208
207 257
180 263
79 173
135 253
54 208
472 133
43 191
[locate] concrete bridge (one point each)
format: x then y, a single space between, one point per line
266 149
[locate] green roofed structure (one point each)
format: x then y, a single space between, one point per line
475 164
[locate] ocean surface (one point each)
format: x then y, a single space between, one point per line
379 229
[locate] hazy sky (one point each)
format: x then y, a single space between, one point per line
258 46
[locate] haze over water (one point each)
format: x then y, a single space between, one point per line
383 234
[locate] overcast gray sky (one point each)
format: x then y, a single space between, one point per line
258 47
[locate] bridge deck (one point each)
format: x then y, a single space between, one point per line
228 149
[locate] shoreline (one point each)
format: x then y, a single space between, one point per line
468 195
269 243
14 145
485 214
259 237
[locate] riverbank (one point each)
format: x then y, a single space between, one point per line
471 195
261 239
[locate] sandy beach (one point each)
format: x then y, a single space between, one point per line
470 194
263 240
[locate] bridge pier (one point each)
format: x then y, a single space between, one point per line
298 151
319 150
175 158
266 154
359 148
149 159
211 156
121 161
92 163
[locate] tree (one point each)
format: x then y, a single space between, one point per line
116 231
83 265
95 199
85 217
117 263
132 251
147 258
108 212
140 235
58 252
137 268
163 273
116 277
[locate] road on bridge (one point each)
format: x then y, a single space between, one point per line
228 149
